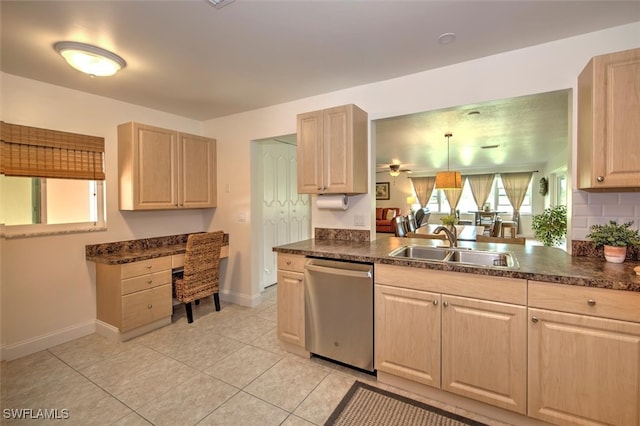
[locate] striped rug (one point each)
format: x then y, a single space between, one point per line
365 405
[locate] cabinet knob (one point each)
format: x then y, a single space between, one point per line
435 302
149 306
149 281
591 302
600 178
534 319
148 266
288 263
445 304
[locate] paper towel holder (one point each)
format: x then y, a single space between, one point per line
332 201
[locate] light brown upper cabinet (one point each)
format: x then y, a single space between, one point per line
332 151
609 123
164 169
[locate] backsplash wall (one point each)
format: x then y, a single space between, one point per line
590 208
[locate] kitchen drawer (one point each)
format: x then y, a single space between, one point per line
146 306
598 302
134 269
147 281
291 262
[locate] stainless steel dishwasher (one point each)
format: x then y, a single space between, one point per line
338 300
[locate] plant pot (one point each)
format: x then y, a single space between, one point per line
615 254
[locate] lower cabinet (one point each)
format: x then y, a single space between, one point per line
134 295
584 369
291 299
464 345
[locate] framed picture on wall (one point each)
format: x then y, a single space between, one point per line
382 191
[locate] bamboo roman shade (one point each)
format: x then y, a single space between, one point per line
30 151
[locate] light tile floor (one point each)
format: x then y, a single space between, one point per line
226 368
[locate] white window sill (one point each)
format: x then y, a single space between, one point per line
28 231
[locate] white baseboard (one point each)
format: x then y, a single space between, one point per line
46 341
240 298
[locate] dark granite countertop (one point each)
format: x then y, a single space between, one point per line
120 252
536 262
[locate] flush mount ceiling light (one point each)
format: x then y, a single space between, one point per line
448 179
89 59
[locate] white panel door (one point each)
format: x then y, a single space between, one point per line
286 214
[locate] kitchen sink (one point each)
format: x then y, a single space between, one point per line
467 256
421 252
483 258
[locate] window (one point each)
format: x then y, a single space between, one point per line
50 181
39 205
497 199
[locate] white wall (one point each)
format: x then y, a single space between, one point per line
48 289
51 292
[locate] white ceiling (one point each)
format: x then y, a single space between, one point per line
528 131
191 59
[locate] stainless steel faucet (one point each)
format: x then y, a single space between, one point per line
451 236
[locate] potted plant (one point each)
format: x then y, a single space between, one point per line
550 226
449 221
615 239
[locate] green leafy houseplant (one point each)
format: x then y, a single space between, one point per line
614 235
449 220
550 226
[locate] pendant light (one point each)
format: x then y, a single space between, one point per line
448 179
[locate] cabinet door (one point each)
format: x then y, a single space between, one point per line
338 149
583 370
291 307
310 151
407 334
609 122
197 177
484 351
155 165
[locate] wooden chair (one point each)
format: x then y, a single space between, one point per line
511 225
201 270
514 240
496 228
400 226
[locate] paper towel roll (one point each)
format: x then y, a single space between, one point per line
333 202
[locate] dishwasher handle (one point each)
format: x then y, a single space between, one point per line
336 271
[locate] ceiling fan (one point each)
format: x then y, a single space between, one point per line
394 170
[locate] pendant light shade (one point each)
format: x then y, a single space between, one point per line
448 179
89 59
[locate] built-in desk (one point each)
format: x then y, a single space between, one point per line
133 283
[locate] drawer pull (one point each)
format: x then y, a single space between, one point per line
149 306
288 263
148 266
445 304
591 302
435 302
149 281
534 319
